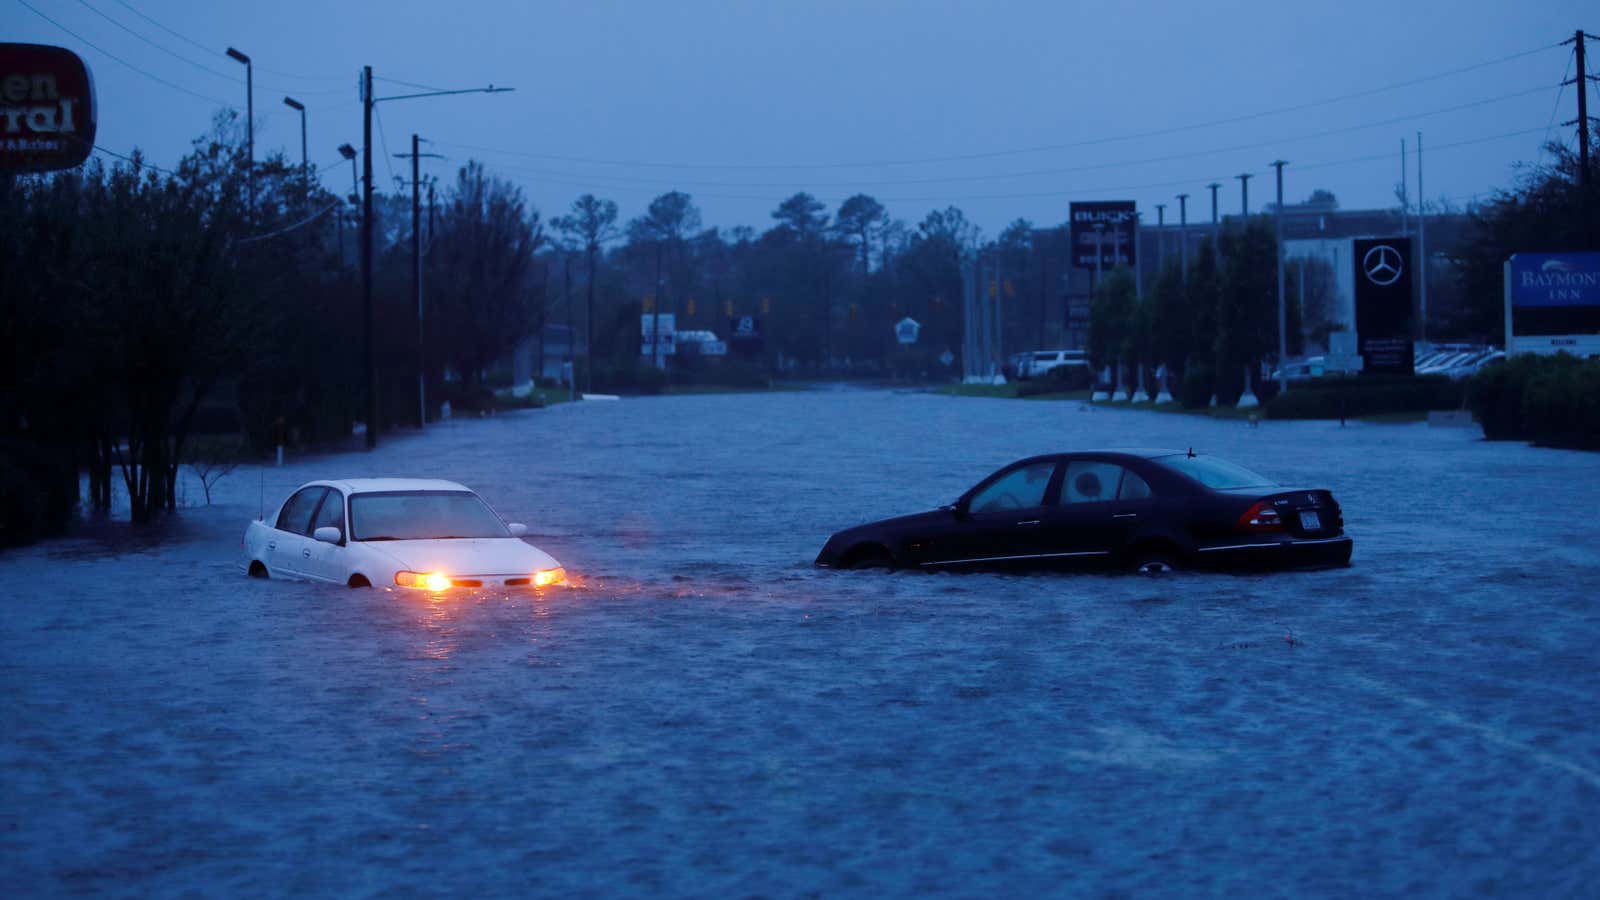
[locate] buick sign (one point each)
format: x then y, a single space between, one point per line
47 108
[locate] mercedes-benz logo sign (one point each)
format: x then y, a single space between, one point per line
1382 265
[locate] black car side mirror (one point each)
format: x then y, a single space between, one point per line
958 509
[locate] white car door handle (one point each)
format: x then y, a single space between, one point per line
1029 522
1126 516
272 545
306 553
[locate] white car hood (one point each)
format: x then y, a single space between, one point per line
467 556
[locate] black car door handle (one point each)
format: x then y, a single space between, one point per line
1029 522
1126 516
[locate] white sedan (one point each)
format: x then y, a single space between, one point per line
412 532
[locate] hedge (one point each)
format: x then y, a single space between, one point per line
1333 398
1058 380
1553 400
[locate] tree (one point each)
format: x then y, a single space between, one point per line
860 217
668 220
592 223
484 293
1112 314
1247 316
1544 212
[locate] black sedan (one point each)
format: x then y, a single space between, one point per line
1138 510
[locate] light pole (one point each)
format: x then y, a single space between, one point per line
1183 233
305 165
1283 315
1244 194
249 121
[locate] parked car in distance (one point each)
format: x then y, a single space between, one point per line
1040 362
424 534
1147 511
1303 370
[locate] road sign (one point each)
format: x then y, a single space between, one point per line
47 108
905 330
946 358
1553 303
1383 305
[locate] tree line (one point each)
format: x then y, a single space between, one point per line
150 305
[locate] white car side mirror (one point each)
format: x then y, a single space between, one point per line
518 529
327 534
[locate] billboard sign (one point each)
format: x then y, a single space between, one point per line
1383 305
1115 241
1553 303
47 108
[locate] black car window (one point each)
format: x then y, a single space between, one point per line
1133 486
1089 481
331 513
1020 488
296 514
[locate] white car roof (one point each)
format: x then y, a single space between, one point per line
369 485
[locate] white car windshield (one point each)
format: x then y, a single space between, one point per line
422 515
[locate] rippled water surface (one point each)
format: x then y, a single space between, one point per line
709 715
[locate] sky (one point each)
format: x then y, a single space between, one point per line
1003 109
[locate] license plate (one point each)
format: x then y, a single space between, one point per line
1310 521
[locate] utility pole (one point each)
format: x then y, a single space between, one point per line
1421 261
1244 194
416 156
368 101
1283 314
1161 235
1183 233
370 358
1405 202
1582 78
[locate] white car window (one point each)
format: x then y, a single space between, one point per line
296 514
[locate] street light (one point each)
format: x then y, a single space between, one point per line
249 121
305 166
348 152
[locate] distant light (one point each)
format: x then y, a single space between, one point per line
238 56
292 103
347 151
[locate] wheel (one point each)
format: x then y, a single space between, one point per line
1155 561
258 569
358 581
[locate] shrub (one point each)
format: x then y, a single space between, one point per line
1333 398
1059 380
1199 381
38 490
1551 400
636 378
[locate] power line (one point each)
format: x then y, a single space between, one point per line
1571 57
288 228
409 84
1062 170
202 66
383 141
86 42
194 43
1065 146
139 161
1068 192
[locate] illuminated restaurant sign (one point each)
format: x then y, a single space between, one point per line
47 108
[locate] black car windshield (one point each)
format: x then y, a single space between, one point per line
1216 473
422 515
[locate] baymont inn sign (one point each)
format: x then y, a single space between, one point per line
47 108
1553 303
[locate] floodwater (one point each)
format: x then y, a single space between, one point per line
709 715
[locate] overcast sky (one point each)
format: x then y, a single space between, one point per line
1004 109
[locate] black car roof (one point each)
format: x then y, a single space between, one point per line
1141 452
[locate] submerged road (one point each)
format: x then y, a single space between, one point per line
707 714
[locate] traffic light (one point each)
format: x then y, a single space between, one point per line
727 308
766 306
649 302
853 311
689 307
